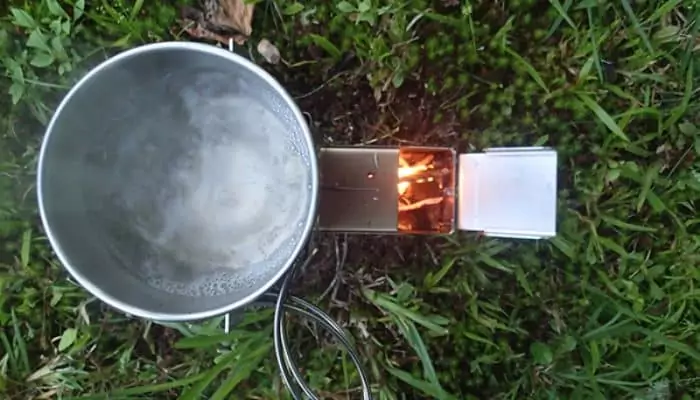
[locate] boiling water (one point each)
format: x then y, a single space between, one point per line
231 201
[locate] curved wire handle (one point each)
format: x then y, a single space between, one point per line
288 366
282 302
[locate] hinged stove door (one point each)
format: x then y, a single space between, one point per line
508 192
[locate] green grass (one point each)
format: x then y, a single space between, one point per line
608 309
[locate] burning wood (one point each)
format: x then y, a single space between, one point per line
421 203
425 188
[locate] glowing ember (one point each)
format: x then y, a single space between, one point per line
422 203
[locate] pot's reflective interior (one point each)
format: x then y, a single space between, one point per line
176 182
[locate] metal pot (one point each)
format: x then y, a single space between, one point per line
177 181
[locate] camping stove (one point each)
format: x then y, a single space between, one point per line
504 192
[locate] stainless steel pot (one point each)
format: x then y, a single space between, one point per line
177 181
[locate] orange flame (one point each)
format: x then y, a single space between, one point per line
407 171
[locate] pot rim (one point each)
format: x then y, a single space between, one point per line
282 269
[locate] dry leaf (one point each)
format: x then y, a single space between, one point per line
220 20
269 51
196 30
233 14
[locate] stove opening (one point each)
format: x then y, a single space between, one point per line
426 188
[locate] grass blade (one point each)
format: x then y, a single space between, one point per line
563 16
390 306
664 9
205 341
610 329
603 116
196 390
136 9
135 391
651 174
477 338
493 263
564 246
8 352
528 68
326 45
594 44
614 247
409 331
637 26
626 225
242 371
26 248
433 280
428 388
21 345
671 344
522 280
195 342
681 109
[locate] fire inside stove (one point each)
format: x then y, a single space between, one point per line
426 190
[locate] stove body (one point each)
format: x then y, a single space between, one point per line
503 192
